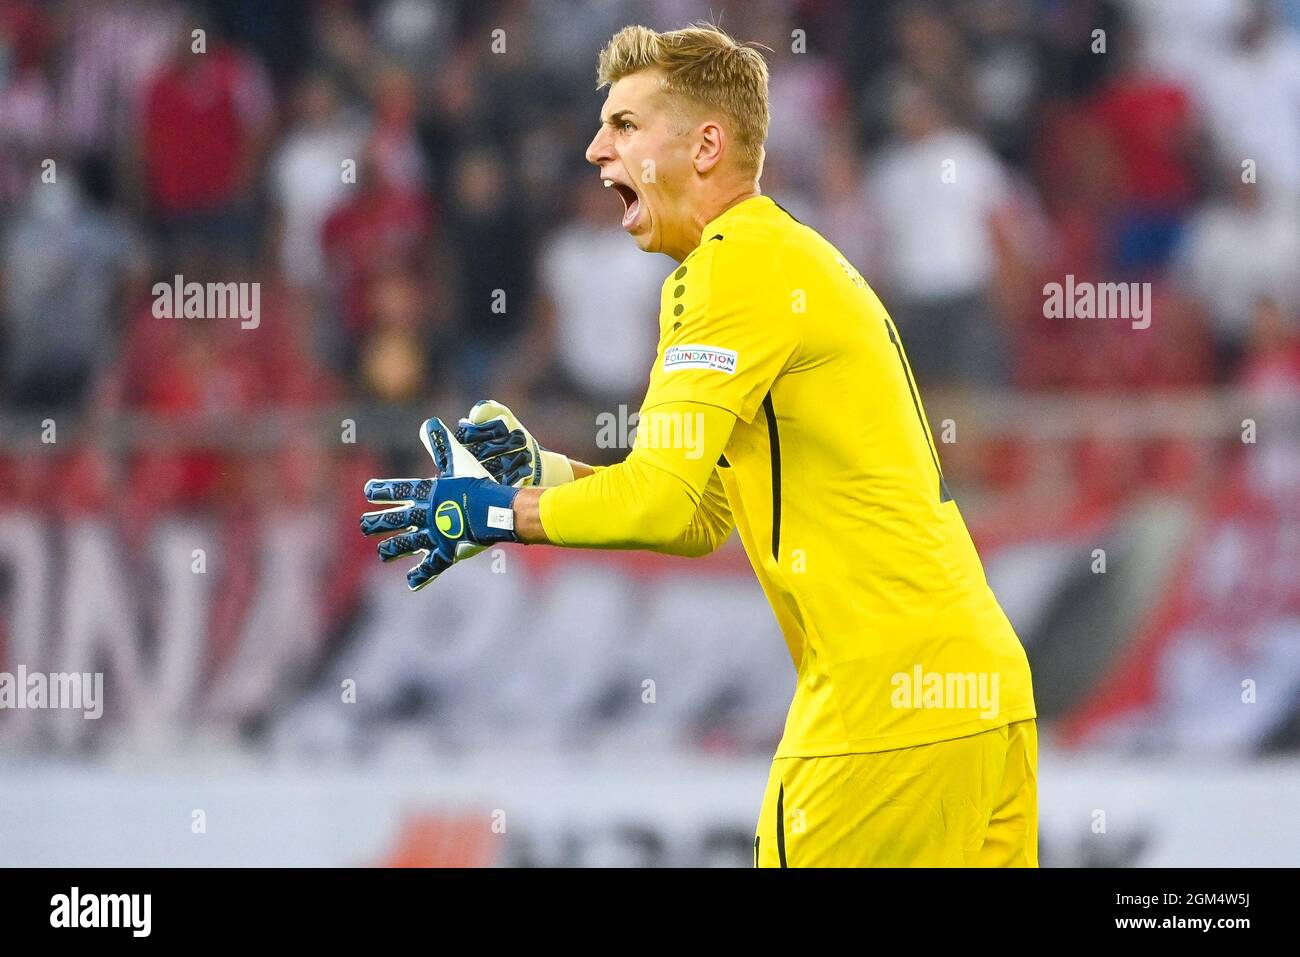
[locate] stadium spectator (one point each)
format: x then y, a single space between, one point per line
1005 73
940 195
807 100
393 139
395 352
28 109
598 326
1147 124
841 211
1271 365
927 51
110 51
308 174
1250 93
492 264
68 264
1239 250
380 223
219 98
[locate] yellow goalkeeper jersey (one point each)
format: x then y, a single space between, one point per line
836 489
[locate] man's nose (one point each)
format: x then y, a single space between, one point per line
598 151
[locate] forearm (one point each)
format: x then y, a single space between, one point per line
528 522
709 526
652 500
630 505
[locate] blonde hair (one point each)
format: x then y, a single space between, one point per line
702 64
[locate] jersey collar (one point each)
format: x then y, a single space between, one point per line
715 225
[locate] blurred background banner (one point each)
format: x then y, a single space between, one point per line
246 248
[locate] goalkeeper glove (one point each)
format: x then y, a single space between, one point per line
508 451
447 519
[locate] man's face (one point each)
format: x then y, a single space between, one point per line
642 151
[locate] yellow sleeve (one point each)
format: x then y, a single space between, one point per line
709 527
651 499
725 331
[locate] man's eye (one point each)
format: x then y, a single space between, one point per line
626 125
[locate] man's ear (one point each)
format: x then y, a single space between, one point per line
712 141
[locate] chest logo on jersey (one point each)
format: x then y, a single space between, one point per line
699 357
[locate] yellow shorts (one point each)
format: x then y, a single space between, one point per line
968 802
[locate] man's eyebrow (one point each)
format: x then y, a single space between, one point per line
616 117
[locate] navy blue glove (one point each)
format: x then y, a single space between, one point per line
504 453
448 518
495 437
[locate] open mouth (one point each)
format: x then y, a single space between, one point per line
631 202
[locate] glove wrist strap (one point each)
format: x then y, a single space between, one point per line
493 518
556 468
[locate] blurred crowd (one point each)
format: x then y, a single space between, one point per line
405 180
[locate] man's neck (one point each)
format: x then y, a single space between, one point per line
708 212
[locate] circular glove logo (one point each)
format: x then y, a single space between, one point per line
449 520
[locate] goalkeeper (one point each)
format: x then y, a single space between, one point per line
910 739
